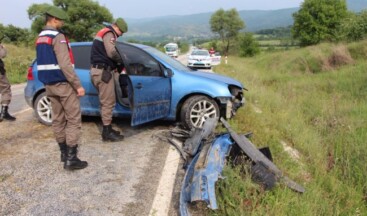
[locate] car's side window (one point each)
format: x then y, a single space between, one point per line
138 62
82 56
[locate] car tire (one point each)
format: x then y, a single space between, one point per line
42 109
196 110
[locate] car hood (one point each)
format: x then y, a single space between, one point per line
199 57
217 77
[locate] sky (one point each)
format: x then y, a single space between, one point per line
15 11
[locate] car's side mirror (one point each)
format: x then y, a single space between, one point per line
168 73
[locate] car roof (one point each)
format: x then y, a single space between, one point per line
89 43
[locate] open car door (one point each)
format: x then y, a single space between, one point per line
149 89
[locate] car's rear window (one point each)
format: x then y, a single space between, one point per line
82 56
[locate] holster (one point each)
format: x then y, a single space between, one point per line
106 75
2 67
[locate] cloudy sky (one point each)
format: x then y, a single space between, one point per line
15 11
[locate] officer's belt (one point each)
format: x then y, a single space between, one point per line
102 66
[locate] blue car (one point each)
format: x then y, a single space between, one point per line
155 86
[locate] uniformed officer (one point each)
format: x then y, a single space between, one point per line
104 60
55 65
5 89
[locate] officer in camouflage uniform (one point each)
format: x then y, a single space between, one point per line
55 65
5 90
104 60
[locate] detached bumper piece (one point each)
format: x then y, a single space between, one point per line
209 157
202 173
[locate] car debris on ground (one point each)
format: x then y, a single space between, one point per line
205 154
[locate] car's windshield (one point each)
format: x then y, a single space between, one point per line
167 59
200 52
171 48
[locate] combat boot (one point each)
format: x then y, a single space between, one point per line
109 135
72 161
63 150
4 114
115 131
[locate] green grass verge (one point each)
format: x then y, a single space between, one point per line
301 99
17 61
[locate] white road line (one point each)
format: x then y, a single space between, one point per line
163 196
22 111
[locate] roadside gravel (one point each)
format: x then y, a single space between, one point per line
121 177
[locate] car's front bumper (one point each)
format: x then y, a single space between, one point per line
230 105
199 181
199 64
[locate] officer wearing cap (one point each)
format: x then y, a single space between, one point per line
55 65
104 59
5 90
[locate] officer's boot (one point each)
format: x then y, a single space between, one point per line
109 135
63 150
4 114
115 131
72 161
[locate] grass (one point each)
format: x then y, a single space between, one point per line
316 106
17 61
312 99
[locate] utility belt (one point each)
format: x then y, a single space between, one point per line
106 71
103 66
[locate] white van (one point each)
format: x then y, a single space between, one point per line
172 49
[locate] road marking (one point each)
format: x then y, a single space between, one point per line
163 196
22 111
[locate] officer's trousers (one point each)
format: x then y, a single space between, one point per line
66 114
106 93
5 90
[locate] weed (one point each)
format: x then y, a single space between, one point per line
319 111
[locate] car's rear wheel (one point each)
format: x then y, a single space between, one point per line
196 110
42 108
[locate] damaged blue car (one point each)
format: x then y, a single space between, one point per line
155 86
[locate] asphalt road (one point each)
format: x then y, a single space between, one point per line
139 176
18 103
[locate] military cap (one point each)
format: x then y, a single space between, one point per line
121 24
57 13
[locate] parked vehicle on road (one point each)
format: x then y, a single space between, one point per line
172 49
156 86
216 58
199 58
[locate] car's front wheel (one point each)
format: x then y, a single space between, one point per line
42 108
196 110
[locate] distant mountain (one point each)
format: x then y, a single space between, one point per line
197 25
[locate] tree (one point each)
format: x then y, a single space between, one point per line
248 45
85 17
15 35
319 20
355 26
227 25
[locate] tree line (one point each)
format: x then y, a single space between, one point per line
316 21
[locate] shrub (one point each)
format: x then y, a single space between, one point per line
248 45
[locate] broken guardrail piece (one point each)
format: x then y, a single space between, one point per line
257 157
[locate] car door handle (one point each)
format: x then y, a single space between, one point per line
139 86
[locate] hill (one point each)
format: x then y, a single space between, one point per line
197 25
